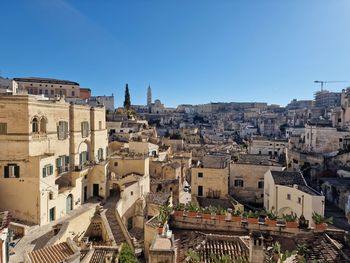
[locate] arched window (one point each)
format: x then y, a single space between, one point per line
43 125
35 125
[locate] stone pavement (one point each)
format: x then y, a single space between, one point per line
38 236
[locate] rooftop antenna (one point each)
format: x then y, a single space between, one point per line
322 82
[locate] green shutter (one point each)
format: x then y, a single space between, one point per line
6 172
58 162
17 171
67 160
51 169
44 172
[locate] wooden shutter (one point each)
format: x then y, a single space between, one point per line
17 171
65 129
6 172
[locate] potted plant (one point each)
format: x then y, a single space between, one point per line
291 220
321 222
271 219
206 213
253 217
221 214
179 209
236 215
213 211
192 210
164 212
301 250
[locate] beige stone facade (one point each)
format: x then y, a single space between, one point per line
210 182
287 192
247 178
53 154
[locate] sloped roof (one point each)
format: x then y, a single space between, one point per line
52 254
288 178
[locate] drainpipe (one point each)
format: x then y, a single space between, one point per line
302 204
276 199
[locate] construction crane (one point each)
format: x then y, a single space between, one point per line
322 82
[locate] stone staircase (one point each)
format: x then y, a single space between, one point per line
114 225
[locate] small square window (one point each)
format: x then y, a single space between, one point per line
115 163
261 184
200 175
239 183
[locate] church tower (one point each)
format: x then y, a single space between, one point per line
149 96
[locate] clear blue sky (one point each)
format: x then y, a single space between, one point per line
189 51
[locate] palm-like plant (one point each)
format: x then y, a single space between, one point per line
320 219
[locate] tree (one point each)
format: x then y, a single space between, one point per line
127 102
127 255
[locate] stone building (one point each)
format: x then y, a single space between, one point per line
320 137
247 177
51 152
211 177
50 87
326 99
272 147
287 192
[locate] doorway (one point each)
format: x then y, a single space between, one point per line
52 214
96 190
69 203
85 194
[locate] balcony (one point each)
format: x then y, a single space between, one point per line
62 169
64 182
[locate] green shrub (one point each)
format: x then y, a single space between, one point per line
127 255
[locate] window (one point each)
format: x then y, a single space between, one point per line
100 154
3 128
239 183
299 200
43 122
131 193
62 164
47 170
340 139
115 163
100 125
73 93
84 129
200 190
40 91
261 184
200 175
52 91
35 125
83 158
46 92
62 130
288 197
11 171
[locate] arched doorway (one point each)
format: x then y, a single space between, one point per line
69 203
